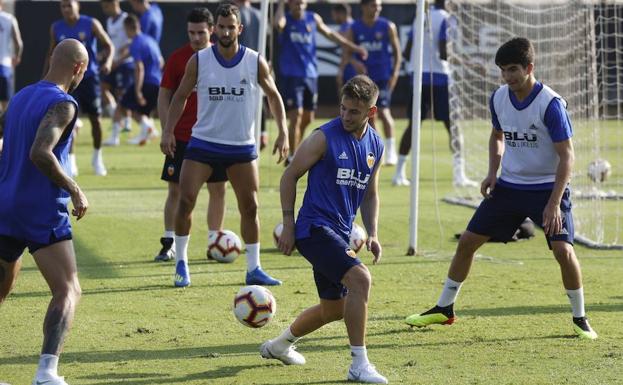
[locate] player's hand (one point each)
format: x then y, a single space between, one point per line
363 53
487 185
359 67
167 144
282 146
140 99
373 246
80 203
15 61
106 67
263 140
552 219
286 240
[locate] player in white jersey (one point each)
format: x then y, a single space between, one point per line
226 76
531 138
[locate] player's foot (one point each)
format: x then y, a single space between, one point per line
98 165
56 380
400 180
583 329
145 136
289 357
167 252
464 181
259 277
182 275
366 373
391 159
436 315
113 140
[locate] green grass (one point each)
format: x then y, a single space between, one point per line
132 327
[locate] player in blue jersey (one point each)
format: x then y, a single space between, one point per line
141 96
341 15
88 30
35 189
380 37
342 160
531 139
298 67
150 17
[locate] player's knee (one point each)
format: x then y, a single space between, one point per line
359 280
69 292
248 208
564 254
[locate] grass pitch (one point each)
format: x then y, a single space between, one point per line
133 328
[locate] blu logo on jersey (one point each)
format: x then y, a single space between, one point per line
301 38
224 93
352 178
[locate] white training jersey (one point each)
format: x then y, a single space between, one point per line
114 28
227 97
529 153
6 38
433 28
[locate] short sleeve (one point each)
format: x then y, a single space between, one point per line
557 121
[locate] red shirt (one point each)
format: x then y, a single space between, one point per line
171 79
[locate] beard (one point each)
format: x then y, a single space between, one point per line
225 43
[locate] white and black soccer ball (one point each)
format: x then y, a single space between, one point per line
599 170
254 306
358 237
277 233
224 246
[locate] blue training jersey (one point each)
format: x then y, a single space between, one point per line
297 57
376 40
146 50
83 31
349 70
32 207
151 22
337 183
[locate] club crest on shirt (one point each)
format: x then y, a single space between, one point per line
82 36
308 28
370 159
378 35
350 252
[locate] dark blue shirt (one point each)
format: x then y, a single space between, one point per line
151 22
83 31
145 49
376 40
297 41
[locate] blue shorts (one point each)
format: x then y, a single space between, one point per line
501 215
12 248
6 88
331 257
121 78
434 102
299 92
88 94
218 156
150 93
385 95
173 166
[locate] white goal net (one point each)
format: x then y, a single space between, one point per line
579 53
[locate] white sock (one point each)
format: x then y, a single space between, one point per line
110 109
576 298
169 234
97 154
359 355
181 248
449 293
127 123
116 129
253 256
389 145
48 366
400 166
283 342
146 124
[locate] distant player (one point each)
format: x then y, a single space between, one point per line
380 38
120 76
298 65
341 15
141 95
35 189
531 138
226 77
342 159
11 48
88 30
150 17
200 24
435 99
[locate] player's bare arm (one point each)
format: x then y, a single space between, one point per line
50 130
279 21
338 38
310 151
164 99
139 78
359 67
17 44
106 44
176 107
53 42
396 53
496 149
275 103
370 216
552 217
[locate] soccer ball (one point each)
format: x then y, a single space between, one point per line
277 233
599 170
254 306
224 246
358 237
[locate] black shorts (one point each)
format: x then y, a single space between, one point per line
331 257
88 94
150 93
172 166
12 248
6 88
435 98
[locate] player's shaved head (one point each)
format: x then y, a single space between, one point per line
69 52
